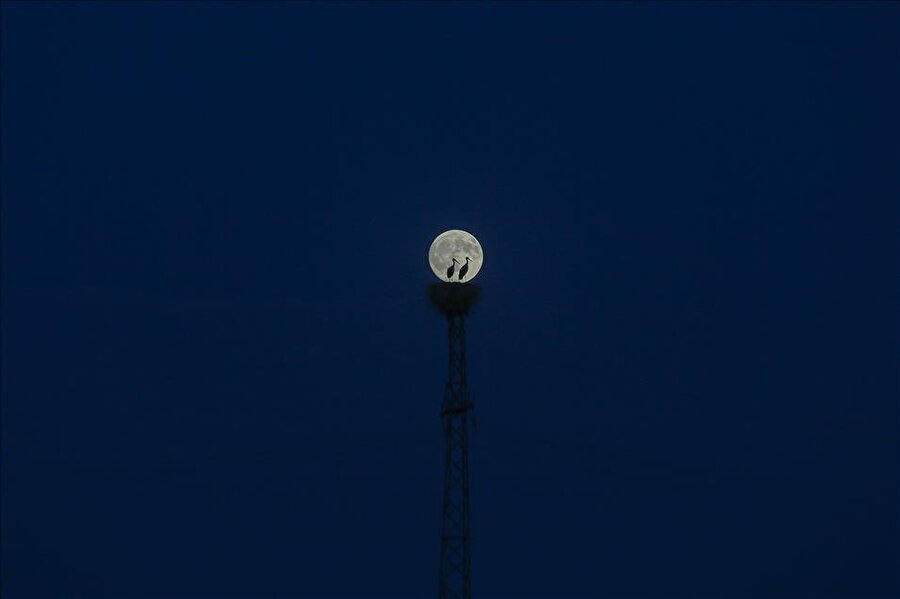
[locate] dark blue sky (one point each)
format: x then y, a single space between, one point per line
220 374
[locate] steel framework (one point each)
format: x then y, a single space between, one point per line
456 558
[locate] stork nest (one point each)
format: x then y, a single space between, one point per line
453 298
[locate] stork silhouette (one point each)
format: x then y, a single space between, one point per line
464 269
452 269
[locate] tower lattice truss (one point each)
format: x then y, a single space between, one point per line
456 580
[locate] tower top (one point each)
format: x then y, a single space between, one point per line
452 299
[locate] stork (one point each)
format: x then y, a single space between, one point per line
464 269
451 269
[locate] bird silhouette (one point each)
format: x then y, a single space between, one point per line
464 269
451 269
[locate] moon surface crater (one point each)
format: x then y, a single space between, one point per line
455 256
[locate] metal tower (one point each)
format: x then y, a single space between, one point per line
454 301
456 560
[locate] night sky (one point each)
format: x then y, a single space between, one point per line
221 376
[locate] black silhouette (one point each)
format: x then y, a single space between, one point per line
451 269
464 269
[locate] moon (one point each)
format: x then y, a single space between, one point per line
455 244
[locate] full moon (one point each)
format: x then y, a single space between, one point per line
455 256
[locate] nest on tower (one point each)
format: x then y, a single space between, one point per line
453 298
